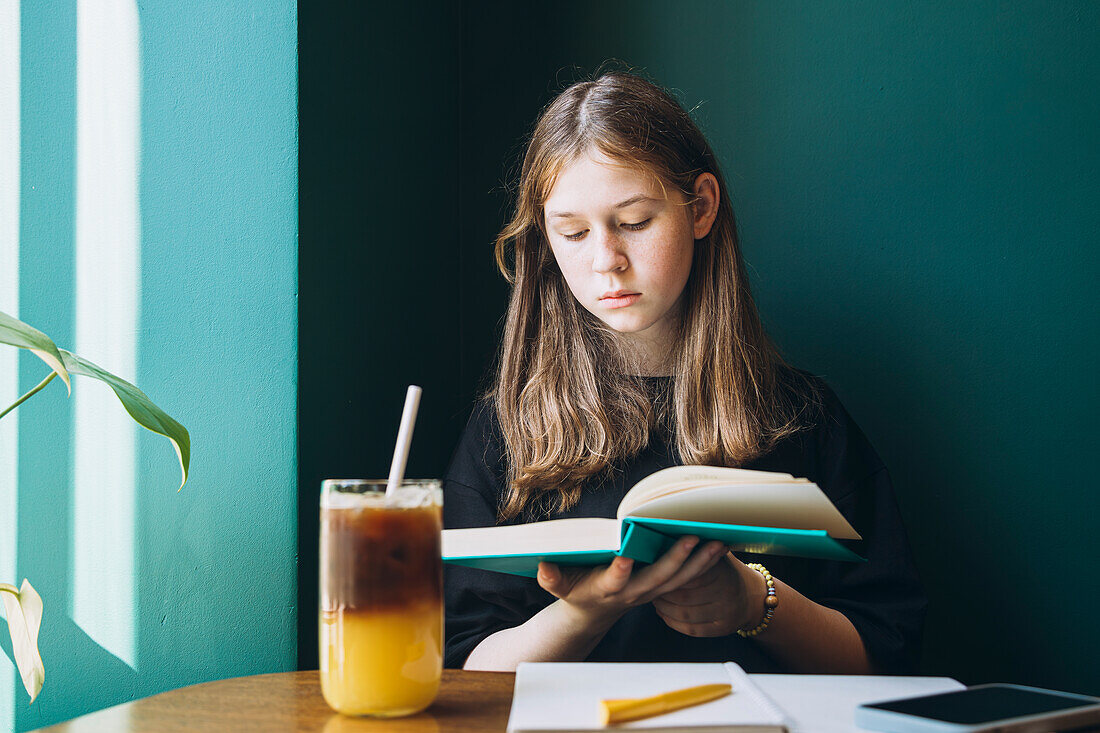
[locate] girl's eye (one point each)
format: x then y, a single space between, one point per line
625 225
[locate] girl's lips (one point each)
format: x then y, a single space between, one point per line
621 301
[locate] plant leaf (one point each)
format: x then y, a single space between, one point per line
138 404
16 333
23 609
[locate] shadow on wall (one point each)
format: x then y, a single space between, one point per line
934 405
75 680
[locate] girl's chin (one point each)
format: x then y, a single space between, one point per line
626 324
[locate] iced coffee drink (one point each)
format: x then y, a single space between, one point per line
381 596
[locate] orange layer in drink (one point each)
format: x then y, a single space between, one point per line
381 662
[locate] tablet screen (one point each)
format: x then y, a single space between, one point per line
983 704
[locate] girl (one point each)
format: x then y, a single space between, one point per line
631 344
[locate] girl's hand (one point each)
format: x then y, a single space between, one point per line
727 597
603 594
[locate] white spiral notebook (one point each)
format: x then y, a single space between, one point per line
554 697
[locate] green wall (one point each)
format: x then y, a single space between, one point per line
210 571
917 197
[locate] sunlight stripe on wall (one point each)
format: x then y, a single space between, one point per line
9 303
107 283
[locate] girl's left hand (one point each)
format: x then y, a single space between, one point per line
727 597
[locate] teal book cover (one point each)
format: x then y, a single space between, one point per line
645 539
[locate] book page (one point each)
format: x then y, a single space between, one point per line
564 696
584 534
792 505
676 478
819 703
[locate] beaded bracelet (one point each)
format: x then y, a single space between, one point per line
770 602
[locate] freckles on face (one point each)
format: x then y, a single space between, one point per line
623 242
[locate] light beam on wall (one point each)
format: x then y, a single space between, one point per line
9 303
107 283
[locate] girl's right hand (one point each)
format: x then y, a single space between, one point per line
605 593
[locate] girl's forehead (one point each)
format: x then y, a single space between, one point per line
593 176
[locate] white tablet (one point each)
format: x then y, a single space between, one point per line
994 707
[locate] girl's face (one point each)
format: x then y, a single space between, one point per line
625 244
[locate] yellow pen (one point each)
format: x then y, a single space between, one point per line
620 711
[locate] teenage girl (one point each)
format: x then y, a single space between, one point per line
632 343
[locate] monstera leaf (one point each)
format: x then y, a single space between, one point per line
140 407
23 606
64 363
15 332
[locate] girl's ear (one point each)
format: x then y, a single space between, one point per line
705 208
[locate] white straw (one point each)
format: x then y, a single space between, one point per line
404 439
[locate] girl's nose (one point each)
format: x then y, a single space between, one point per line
608 253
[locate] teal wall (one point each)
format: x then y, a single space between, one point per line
212 566
917 197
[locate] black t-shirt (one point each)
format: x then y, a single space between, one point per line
882 597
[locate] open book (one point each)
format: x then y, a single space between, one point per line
564 696
750 511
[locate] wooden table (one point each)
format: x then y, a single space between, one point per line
291 701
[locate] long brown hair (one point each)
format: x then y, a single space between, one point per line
565 393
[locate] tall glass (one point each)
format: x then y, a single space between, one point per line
381 620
